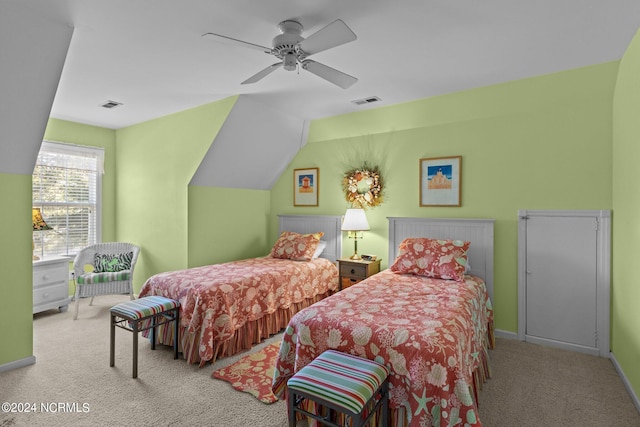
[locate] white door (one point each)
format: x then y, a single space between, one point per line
562 294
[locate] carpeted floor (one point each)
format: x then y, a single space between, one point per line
531 385
534 386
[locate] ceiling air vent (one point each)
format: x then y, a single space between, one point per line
111 104
367 100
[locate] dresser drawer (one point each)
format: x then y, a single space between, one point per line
353 270
47 274
51 283
49 294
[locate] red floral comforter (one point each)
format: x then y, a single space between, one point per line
217 300
432 334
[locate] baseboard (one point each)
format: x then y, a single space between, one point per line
18 364
505 334
625 381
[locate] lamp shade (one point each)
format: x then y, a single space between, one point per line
355 220
38 221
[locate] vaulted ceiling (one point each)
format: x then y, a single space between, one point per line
150 55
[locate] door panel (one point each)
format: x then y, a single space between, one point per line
561 279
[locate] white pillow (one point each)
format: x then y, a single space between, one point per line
321 245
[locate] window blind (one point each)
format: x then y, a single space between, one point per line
67 181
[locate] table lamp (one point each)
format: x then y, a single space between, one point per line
355 222
38 225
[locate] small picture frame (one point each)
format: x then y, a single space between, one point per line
306 185
440 183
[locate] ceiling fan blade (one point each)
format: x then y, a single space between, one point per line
332 35
261 74
240 42
332 75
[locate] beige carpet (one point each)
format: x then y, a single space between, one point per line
532 385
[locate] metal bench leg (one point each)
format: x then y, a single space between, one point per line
385 404
176 331
291 403
154 326
135 349
112 342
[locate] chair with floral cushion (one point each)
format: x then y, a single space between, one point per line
104 269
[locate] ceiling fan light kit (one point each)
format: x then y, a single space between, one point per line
290 62
293 49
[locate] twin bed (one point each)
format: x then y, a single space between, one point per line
432 332
227 308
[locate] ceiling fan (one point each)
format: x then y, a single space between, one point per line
293 49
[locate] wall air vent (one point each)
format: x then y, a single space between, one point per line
111 104
367 100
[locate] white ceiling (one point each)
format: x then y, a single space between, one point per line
149 54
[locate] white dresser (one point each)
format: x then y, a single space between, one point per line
51 284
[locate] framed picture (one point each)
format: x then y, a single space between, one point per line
440 181
306 185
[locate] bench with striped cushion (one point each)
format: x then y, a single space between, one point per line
342 382
142 314
142 308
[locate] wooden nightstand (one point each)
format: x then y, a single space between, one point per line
353 271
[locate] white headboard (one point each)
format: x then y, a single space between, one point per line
328 224
477 231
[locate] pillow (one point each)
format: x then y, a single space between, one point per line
295 246
322 244
103 263
440 259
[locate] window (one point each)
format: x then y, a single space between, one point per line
67 187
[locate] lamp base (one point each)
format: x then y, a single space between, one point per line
355 255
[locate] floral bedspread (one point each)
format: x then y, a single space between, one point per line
217 300
432 333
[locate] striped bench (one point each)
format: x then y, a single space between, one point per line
140 315
350 385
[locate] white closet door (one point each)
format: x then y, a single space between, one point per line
564 273
561 279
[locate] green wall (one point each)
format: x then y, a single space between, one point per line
16 320
156 161
226 224
539 143
625 298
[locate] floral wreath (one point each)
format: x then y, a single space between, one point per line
363 187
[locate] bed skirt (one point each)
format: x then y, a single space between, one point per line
398 415
248 335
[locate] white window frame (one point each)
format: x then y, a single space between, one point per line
96 153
